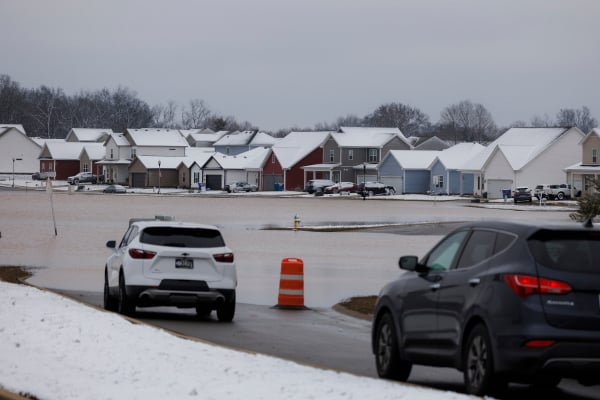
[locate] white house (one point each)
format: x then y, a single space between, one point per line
117 157
18 150
524 157
156 142
222 169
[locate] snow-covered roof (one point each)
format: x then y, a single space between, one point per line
263 139
251 159
593 132
455 157
198 155
432 143
151 162
413 159
519 146
95 151
120 139
42 141
61 150
236 139
297 145
157 137
88 134
205 137
367 137
16 126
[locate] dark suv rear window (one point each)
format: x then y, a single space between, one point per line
567 251
182 237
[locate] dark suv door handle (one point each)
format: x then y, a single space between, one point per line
474 281
434 287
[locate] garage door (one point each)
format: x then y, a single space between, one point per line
271 180
214 182
496 186
138 180
395 181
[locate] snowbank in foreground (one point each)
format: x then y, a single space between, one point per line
55 348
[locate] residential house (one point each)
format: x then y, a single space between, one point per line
354 153
89 158
222 169
202 137
88 135
156 142
524 157
239 142
117 157
408 171
290 155
446 176
431 143
581 174
154 171
18 152
190 169
60 159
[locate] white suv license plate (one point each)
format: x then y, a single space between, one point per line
184 263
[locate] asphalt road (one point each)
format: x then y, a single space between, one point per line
318 337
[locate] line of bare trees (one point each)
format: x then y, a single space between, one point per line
49 112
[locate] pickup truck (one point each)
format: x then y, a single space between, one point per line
82 177
551 192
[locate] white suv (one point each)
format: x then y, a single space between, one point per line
167 263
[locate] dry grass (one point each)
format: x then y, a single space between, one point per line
364 305
13 274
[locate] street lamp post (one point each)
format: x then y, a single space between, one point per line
364 194
158 176
13 174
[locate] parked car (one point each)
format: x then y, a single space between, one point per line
315 185
556 191
241 187
39 176
501 302
341 187
82 177
169 263
522 194
375 188
114 189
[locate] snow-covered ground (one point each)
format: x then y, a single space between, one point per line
54 348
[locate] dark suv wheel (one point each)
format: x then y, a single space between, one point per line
478 363
388 362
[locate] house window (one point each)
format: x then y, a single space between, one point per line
112 155
438 181
86 168
351 154
273 158
331 155
133 152
372 155
594 156
196 177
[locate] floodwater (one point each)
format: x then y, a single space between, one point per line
338 263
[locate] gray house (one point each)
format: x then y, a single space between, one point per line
446 176
408 171
353 154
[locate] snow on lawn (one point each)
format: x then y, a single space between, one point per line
56 348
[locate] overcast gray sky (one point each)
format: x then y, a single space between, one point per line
284 63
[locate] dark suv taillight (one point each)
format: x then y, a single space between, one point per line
525 285
224 257
141 254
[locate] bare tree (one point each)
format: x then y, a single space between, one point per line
580 118
164 116
410 120
196 116
46 108
468 121
544 121
12 101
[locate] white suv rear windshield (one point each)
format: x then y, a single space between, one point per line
182 237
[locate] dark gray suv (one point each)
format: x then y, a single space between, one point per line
499 301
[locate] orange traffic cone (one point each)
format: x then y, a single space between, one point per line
291 284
